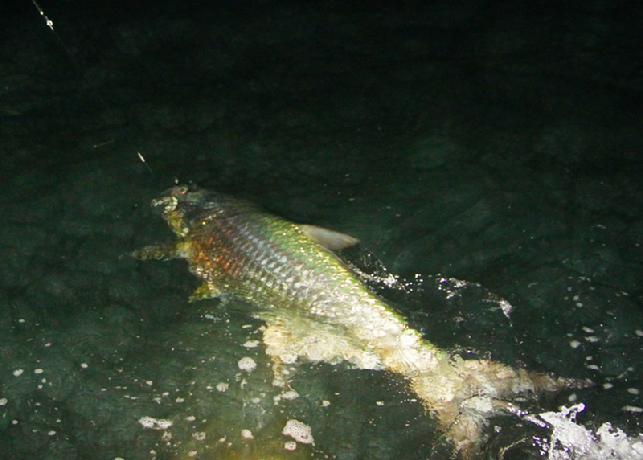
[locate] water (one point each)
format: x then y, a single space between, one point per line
487 157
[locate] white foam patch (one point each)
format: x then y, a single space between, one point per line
222 387
200 436
299 431
251 344
506 307
633 409
152 423
247 364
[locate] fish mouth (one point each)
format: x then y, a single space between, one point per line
178 190
171 198
165 204
178 193
173 205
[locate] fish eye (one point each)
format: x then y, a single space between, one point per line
180 190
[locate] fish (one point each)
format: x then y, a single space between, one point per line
317 309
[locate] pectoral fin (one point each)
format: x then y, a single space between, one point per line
157 252
330 239
203 292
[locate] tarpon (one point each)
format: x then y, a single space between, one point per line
316 308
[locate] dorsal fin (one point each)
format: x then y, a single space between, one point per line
330 239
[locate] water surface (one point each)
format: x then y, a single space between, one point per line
484 144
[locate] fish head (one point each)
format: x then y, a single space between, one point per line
178 205
185 207
180 197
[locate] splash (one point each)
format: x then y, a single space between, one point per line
372 271
570 441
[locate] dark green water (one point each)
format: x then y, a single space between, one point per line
488 144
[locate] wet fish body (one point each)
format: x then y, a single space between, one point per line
316 309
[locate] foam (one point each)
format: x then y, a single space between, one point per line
299 431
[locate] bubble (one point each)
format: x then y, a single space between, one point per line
222 387
634 409
155 424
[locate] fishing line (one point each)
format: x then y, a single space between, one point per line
49 23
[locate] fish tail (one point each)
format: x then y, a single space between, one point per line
464 394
